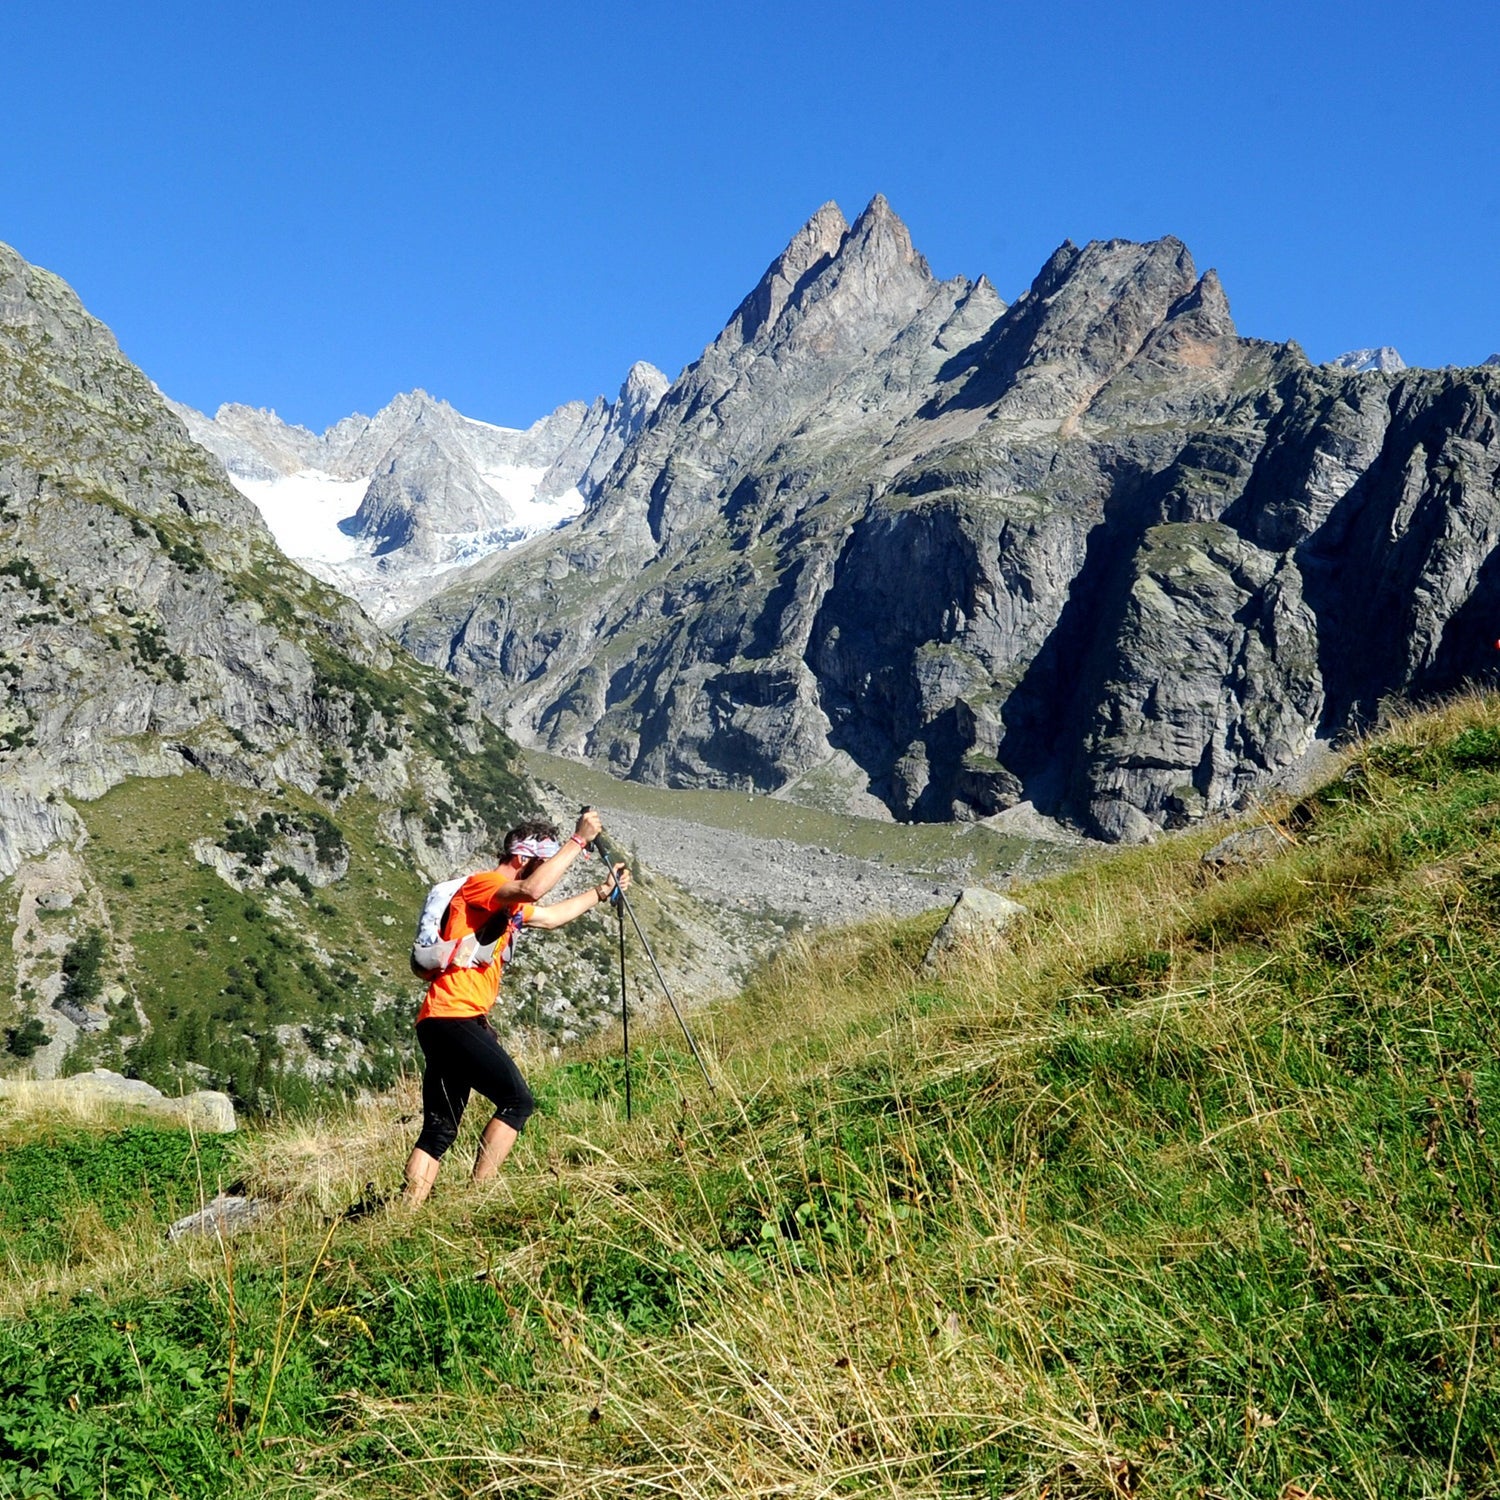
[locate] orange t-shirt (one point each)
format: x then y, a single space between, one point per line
471 992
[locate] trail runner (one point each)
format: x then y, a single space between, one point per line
459 1045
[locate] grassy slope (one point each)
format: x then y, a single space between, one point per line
209 965
1192 1190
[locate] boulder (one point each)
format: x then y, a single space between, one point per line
1248 847
979 919
227 1214
206 1110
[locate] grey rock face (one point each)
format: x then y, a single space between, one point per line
1385 360
123 601
1093 551
1213 670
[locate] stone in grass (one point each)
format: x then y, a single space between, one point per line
1248 847
206 1110
227 1214
978 920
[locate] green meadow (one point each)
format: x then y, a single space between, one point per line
1189 1189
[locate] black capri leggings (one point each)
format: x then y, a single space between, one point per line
463 1053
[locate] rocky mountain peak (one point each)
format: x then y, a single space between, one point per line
416 406
604 432
809 250
881 227
1210 305
860 297
1109 270
820 236
845 317
1087 315
31 298
236 413
358 443
382 507
1118 274
867 272
644 386
1384 360
879 235
899 545
146 601
47 338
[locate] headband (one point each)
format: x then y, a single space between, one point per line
526 849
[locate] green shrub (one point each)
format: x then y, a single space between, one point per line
23 1041
82 968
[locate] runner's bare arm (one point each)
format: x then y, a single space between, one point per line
536 884
560 913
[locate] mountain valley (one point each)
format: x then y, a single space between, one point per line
893 555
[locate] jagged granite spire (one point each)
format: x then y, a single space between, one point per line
809 250
644 387
612 426
880 237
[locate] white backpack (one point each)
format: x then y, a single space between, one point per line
433 954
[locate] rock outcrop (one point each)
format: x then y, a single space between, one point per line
1093 551
980 919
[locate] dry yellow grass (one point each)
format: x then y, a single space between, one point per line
1120 1207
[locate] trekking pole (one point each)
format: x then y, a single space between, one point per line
624 1007
661 980
627 910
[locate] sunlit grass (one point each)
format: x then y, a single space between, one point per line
1188 1187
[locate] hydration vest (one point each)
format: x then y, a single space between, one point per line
433 954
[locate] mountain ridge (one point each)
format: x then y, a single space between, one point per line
894 544
383 507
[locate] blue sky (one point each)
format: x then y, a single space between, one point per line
312 206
